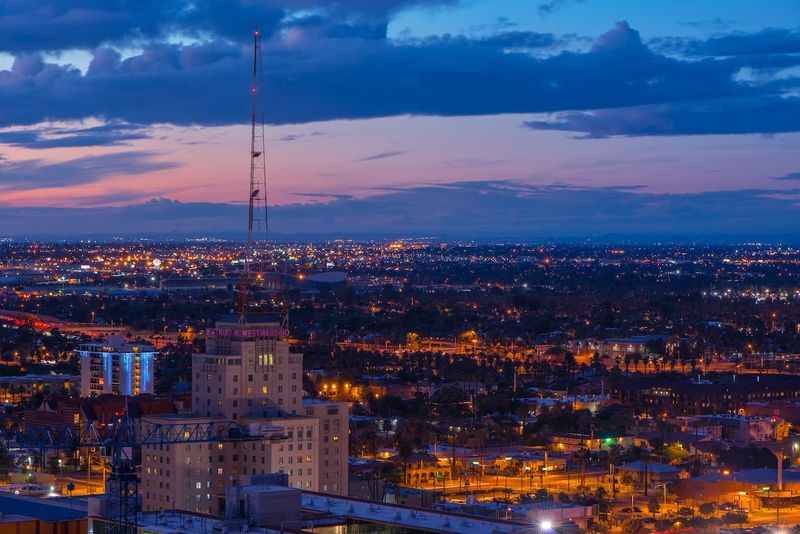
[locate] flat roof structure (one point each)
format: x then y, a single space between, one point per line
17 507
411 518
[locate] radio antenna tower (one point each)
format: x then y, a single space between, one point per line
257 221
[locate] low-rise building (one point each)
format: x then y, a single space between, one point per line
18 389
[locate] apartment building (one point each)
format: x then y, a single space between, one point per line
117 366
194 476
334 432
249 375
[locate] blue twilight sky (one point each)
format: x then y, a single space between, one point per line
691 18
537 118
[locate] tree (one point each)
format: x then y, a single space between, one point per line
656 346
614 455
663 525
53 466
6 462
708 508
570 363
597 362
582 456
634 526
597 528
637 358
675 452
734 518
653 506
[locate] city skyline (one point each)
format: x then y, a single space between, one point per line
420 117
455 266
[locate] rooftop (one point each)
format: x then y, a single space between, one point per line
119 344
44 509
403 516
250 319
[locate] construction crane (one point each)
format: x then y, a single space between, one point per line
119 441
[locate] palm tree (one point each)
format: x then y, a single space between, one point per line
614 454
637 357
583 455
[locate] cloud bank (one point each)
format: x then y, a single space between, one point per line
337 62
475 210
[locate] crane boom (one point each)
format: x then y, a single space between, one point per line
126 433
119 440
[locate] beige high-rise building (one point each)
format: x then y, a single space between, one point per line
247 370
248 374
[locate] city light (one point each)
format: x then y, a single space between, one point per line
520 266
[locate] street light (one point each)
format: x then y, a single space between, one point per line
545 525
664 486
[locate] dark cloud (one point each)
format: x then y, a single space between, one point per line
714 23
478 210
116 197
325 196
500 24
771 106
325 27
551 6
787 177
383 155
34 25
27 175
519 39
325 79
290 138
330 60
111 134
767 41
723 116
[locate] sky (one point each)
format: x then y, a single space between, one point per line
487 118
